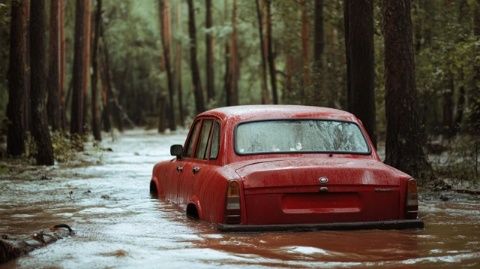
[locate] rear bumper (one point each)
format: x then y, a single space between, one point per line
382 225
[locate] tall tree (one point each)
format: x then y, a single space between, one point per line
38 53
17 76
209 60
234 65
80 65
55 65
166 32
104 78
447 102
261 22
232 71
62 101
178 65
271 58
305 36
94 85
405 133
361 63
196 81
27 119
227 75
318 48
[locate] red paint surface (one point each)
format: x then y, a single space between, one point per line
284 188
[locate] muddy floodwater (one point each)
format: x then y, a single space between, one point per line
119 225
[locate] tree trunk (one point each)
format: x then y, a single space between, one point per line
405 132
62 101
234 61
289 71
460 108
178 66
38 53
80 65
447 119
106 112
271 58
305 34
346 24
260 18
361 63
318 48
27 119
161 113
196 81
55 65
17 77
227 75
94 97
165 27
14 247
209 63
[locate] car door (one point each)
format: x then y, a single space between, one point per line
198 165
179 169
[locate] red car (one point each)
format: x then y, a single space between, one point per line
277 167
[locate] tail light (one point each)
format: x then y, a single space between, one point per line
232 207
411 204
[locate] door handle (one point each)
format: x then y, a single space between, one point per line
179 168
195 169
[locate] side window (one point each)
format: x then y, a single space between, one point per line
215 141
191 140
203 140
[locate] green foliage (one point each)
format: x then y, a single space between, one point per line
443 38
446 53
65 148
132 38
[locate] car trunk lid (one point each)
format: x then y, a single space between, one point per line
316 190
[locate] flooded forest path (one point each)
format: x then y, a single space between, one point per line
119 225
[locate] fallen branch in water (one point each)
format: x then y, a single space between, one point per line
14 247
471 192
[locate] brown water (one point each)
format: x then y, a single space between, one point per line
119 226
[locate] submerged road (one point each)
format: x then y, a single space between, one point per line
119 226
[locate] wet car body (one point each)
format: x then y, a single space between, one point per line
224 175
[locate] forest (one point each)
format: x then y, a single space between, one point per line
94 92
410 72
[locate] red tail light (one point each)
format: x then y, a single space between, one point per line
232 205
411 204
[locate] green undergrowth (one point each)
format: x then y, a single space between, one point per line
66 149
459 160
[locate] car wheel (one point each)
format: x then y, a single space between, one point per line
153 190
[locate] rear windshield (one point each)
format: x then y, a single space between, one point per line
297 136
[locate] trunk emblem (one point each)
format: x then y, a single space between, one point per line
323 180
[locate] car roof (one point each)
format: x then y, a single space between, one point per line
262 112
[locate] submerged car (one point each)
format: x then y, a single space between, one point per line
277 167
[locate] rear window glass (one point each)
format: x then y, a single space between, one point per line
297 136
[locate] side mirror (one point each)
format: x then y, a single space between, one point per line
177 151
